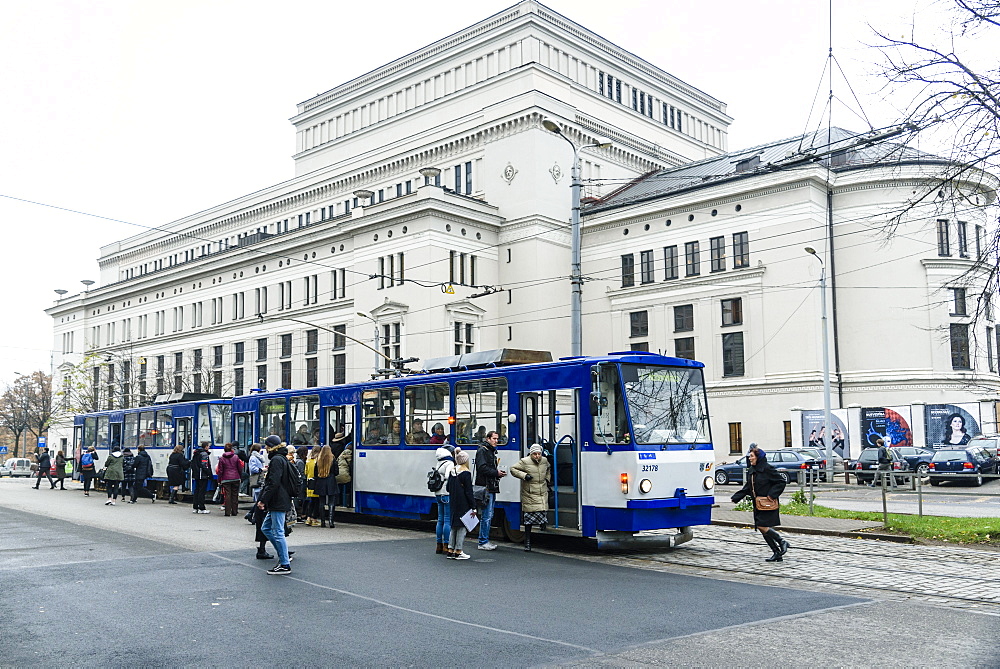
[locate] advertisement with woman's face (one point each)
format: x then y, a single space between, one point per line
951 424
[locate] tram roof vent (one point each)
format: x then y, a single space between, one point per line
501 357
173 398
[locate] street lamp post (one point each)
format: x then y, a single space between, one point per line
576 275
827 421
378 356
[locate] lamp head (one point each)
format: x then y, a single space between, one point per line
602 144
60 292
810 250
551 126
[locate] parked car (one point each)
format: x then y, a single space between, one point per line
989 442
819 456
787 461
19 466
972 464
917 459
866 466
4 470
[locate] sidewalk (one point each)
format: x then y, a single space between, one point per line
723 514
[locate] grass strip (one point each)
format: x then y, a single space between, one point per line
940 528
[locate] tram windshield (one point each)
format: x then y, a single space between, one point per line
667 404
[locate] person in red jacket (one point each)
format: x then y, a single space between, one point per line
230 472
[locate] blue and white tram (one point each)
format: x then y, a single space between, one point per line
159 427
628 435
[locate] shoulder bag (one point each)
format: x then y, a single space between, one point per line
762 503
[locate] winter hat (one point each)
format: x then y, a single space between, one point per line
535 448
461 457
442 453
272 441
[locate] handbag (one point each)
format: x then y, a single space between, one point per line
479 493
762 503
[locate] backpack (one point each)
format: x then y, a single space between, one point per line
434 479
86 459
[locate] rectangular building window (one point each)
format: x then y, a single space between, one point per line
963 239
178 361
944 246
979 242
337 287
312 341
741 250
787 424
732 354
286 347
684 348
692 259
468 178
628 270
463 338
960 346
458 178
669 263
684 318
286 374
339 369
732 311
339 340
391 339
638 324
717 252
312 373
196 357
989 349
958 302
639 346
238 353
262 349
736 439
646 267
262 377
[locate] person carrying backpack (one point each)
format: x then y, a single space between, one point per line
437 483
280 485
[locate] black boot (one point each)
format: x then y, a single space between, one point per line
173 497
775 546
262 553
331 515
527 538
782 544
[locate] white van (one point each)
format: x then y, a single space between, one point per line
19 466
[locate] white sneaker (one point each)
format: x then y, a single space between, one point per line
487 547
108 503
112 502
204 511
195 511
463 556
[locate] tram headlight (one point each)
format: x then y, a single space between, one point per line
709 483
624 479
645 486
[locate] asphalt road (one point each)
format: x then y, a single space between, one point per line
154 585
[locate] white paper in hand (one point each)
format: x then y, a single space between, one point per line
470 520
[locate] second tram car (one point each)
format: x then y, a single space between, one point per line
627 434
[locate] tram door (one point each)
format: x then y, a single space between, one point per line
116 435
549 418
339 421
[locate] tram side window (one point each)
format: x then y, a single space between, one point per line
165 425
305 420
147 428
380 408
272 418
103 427
222 422
130 434
89 432
480 407
340 428
427 407
204 429
610 421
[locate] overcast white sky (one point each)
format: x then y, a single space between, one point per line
149 110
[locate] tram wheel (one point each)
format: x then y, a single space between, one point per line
513 534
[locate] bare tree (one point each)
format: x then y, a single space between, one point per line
26 407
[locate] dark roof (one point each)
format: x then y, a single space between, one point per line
845 150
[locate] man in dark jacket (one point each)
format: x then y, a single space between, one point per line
143 471
488 474
44 465
201 474
280 486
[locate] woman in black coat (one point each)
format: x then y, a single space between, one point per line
764 481
177 467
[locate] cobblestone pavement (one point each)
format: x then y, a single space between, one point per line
941 575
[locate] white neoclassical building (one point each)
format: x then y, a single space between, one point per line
429 209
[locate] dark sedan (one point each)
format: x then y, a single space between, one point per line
917 459
788 463
866 466
971 464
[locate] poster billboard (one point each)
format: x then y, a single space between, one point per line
814 432
889 424
951 424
